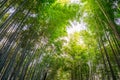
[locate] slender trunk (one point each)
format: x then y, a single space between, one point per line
113 50
13 14
104 61
116 45
110 66
23 73
11 63
22 58
9 45
45 75
6 10
8 29
112 26
3 3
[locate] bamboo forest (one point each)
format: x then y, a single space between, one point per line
59 39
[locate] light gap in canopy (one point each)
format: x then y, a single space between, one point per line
76 27
69 1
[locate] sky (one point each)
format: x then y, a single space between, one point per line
76 27
75 1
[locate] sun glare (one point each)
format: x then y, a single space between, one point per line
68 1
76 27
74 1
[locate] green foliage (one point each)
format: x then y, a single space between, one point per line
34 46
54 18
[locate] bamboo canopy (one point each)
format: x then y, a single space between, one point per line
35 44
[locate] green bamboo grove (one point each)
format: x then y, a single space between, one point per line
35 43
